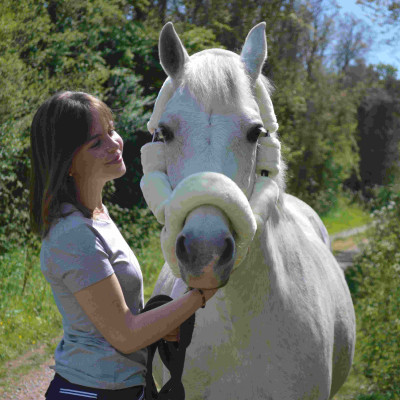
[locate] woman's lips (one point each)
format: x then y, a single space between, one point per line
115 160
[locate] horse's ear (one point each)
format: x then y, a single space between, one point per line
173 54
254 51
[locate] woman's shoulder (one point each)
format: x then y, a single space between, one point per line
72 222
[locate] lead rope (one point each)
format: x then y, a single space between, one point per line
172 355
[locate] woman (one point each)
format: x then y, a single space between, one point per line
95 277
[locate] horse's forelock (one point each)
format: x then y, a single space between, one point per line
217 77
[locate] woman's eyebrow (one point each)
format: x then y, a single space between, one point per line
94 137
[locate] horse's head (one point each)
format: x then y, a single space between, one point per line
211 114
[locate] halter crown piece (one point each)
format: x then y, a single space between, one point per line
171 207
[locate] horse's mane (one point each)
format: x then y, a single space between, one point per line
218 75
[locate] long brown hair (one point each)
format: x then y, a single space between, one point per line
60 126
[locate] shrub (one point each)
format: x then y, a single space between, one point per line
375 284
137 225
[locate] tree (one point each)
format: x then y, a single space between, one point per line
352 43
385 11
386 14
379 138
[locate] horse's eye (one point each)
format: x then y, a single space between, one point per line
254 132
164 134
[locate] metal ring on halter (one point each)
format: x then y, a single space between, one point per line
264 172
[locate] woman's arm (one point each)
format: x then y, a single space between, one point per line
104 304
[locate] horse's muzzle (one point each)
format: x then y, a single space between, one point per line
198 234
205 248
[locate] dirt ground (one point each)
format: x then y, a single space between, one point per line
32 386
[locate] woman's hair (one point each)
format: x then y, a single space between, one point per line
59 128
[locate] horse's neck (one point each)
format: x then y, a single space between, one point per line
263 275
249 285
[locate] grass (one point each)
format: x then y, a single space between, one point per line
346 215
151 261
28 315
356 382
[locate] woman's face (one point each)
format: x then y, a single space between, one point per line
99 159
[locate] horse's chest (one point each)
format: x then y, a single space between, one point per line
247 357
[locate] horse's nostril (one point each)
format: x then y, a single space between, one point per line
196 252
228 252
181 250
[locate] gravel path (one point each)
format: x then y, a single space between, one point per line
345 258
349 232
32 386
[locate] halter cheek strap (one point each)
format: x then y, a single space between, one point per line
155 184
268 156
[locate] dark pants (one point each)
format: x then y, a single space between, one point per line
61 389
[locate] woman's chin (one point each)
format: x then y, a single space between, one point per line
120 171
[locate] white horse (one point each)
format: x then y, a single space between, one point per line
282 325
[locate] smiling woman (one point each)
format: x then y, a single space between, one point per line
95 277
72 139
98 160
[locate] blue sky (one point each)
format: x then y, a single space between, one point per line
380 52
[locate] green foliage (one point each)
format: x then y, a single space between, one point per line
375 284
318 131
14 194
379 137
138 225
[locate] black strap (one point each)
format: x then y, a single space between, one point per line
172 355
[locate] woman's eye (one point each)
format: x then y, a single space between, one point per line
255 132
95 144
164 134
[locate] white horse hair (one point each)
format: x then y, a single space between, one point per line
282 325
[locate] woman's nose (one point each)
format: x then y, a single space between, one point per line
113 148
114 145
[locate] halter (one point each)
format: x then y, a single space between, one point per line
171 206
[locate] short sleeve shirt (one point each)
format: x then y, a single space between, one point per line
76 253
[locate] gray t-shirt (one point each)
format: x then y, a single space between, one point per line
76 253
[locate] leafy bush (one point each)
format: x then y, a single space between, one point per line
14 193
381 196
137 225
375 284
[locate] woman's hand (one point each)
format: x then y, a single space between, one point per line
173 336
